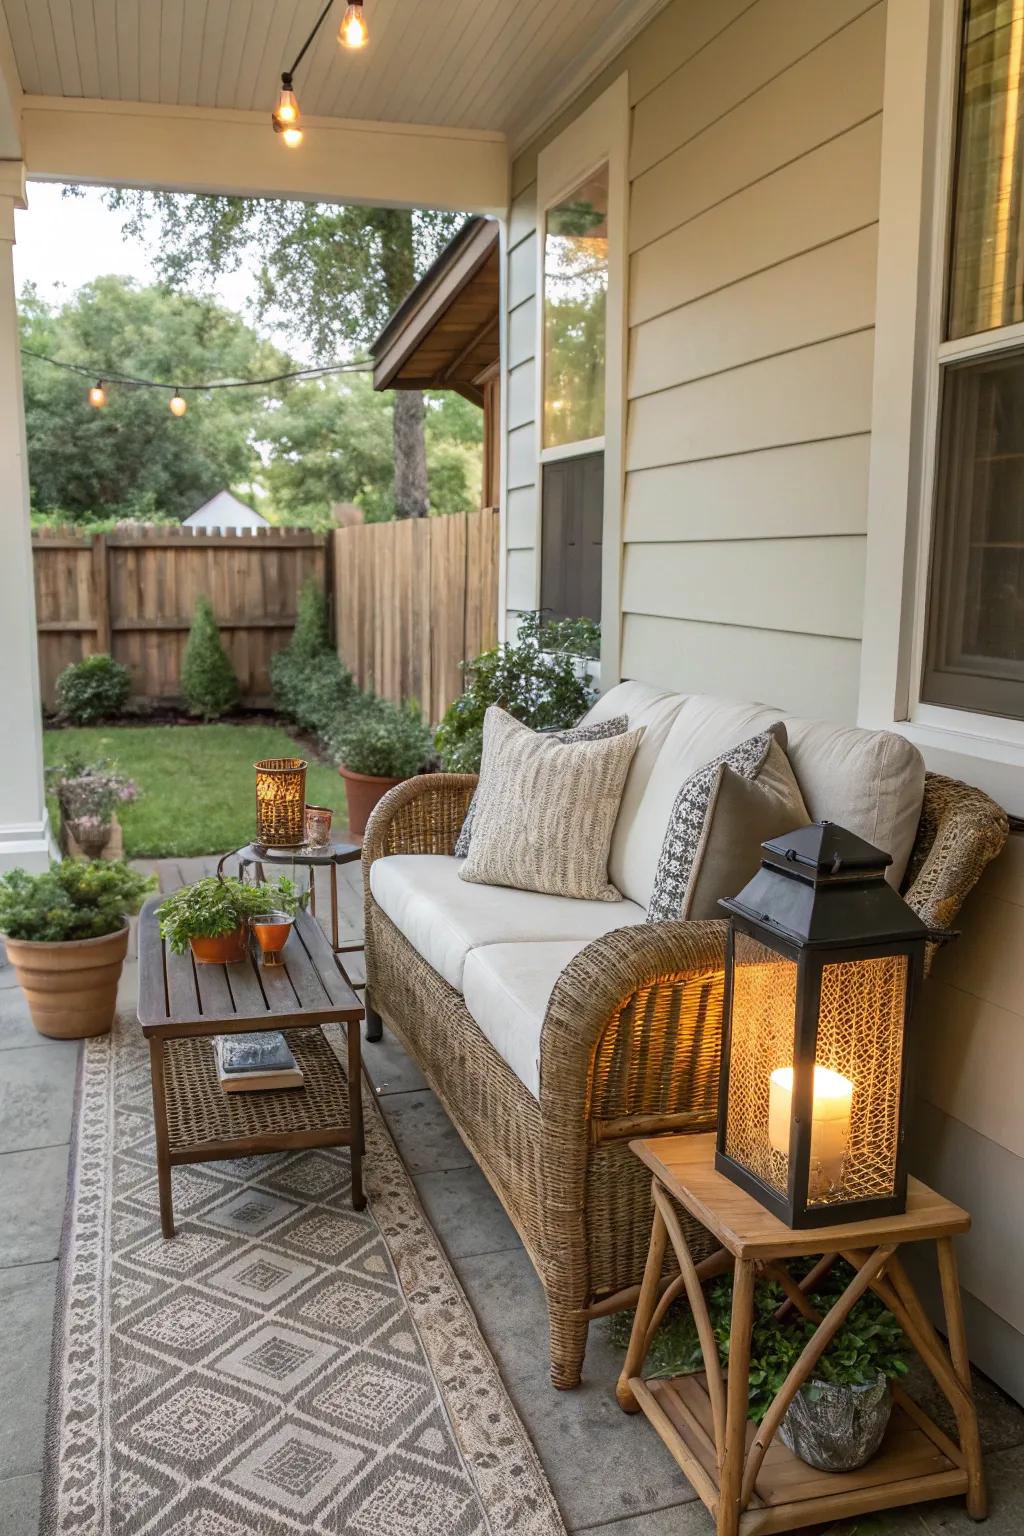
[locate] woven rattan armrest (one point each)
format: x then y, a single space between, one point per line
421 815
960 831
632 1034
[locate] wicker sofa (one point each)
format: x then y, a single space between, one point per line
554 1035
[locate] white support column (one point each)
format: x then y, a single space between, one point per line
24 823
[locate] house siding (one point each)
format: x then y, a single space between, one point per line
754 175
754 168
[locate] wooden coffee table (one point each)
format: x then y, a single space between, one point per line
183 1005
750 1482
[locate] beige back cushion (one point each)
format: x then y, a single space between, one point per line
869 781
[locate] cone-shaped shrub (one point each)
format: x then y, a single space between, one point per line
208 679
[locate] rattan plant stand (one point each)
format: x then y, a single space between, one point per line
183 1005
749 1481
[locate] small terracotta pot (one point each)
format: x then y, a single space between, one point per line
71 988
226 949
362 791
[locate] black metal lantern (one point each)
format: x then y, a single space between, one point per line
824 958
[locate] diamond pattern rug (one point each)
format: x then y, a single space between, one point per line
284 1364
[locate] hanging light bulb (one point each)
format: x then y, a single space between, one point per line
178 404
353 32
285 116
98 395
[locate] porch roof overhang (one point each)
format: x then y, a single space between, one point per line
445 333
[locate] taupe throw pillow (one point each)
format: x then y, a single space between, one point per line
598 730
546 809
690 855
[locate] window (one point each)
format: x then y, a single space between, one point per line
575 312
570 571
974 648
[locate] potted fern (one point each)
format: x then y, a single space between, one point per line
66 935
378 745
211 917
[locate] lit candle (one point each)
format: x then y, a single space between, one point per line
830 1119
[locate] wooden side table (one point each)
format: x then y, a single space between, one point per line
749 1481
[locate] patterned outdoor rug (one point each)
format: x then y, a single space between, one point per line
284 1364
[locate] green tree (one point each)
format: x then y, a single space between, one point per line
208 679
331 440
132 458
332 275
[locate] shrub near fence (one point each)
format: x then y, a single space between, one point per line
415 598
133 593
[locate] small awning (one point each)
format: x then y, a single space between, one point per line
445 334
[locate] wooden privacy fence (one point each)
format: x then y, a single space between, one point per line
133 592
414 598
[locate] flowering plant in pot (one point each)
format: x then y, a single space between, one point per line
66 935
212 916
837 1420
377 744
88 795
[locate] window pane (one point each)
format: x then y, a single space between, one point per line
986 286
975 652
575 303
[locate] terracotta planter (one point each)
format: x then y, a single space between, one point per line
71 988
226 949
362 791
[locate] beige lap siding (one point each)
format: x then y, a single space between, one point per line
754 167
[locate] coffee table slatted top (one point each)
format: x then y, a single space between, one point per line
178 998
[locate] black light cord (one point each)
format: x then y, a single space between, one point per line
303 50
133 383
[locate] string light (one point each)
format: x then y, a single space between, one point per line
353 32
286 114
98 395
178 404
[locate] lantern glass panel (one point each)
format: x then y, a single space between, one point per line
860 1038
761 1042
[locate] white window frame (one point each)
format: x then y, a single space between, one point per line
918 130
598 136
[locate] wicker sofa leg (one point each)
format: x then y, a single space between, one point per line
374 1022
568 1338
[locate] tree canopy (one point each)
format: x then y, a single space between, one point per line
133 459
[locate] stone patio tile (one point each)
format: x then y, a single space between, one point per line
677 1520
603 1465
389 1066
37 1092
465 1212
16 1028
1000 1419
19 1505
426 1137
32 1190
26 1324
1005 1473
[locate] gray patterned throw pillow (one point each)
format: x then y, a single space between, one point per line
597 730
686 823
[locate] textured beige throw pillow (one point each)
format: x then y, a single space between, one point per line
546 810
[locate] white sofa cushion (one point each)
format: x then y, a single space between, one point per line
507 989
444 918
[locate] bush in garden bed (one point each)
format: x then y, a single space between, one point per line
385 740
95 688
208 679
312 686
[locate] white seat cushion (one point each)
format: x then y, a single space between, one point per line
444 918
507 988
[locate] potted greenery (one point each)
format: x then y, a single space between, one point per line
212 916
88 794
377 744
66 935
837 1420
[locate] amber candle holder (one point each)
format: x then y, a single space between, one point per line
281 802
272 930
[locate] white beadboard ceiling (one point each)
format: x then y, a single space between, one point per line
472 64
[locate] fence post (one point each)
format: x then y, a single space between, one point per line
101 591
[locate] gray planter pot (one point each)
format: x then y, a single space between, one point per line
837 1428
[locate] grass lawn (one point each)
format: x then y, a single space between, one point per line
197 791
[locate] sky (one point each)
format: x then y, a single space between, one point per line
65 242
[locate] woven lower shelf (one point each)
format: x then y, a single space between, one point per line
200 1114
788 1493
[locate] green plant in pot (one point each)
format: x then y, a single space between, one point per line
837 1420
212 916
66 935
377 744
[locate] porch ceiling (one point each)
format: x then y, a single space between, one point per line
493 65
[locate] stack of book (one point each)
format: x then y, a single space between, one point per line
251 1062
